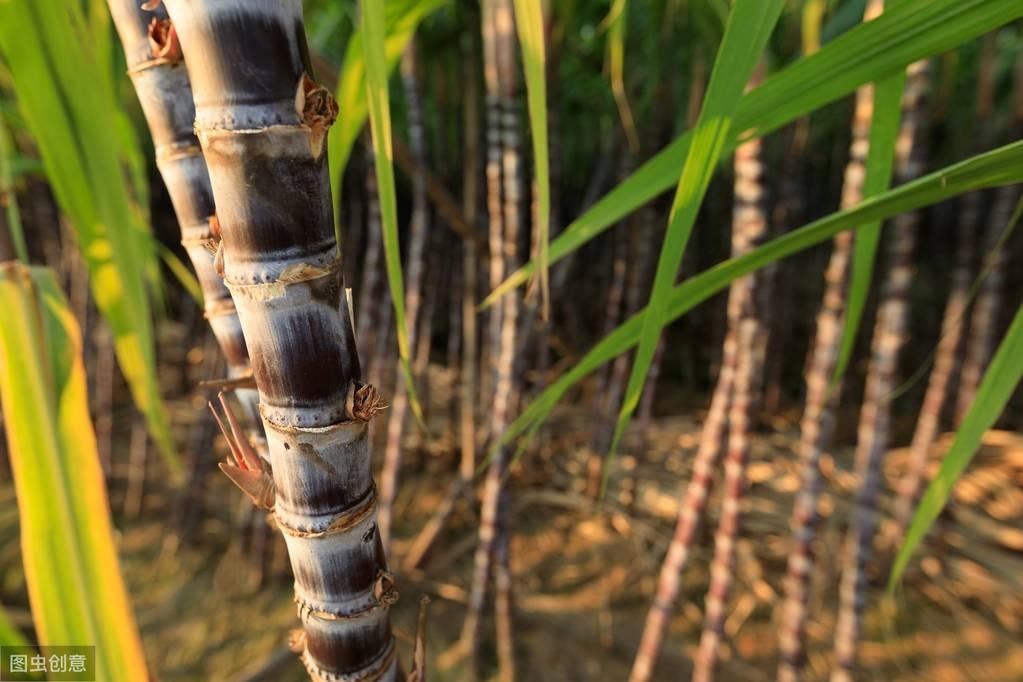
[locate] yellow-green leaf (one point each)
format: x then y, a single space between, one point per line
529 23
1000 380
401 18
74 119
749 26
74 582
377 97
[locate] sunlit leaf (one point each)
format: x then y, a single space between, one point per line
1000 380
401 18
372 25
529 23
884 132
55 73
67 545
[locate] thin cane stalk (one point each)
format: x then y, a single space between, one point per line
875 416
418 237
154 60
818 421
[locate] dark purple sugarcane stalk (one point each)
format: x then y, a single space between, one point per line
158 73
262 123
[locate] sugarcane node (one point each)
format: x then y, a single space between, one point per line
163 39
342 522
363 401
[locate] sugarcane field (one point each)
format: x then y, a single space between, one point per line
511 340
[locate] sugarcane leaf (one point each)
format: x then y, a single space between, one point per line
1002 166
9 195
372 25
182 273
67 545
529 24
884 132
810 21
749 26
53 70
1000 380
615 23
401 17
910 30
9 634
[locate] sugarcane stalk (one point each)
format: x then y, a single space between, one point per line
978 341
418 236
875 416
262 123
154 59
750 229
715 424
369 305
503 201
945 360
817 424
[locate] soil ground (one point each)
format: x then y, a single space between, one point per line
218 606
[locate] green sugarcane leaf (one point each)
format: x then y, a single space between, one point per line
54 71
529 23
10 635
9 193
884 132
372 26
1000 380
67 544
615 23
909 31
401 17
1002 166
811 20
182 273
749 26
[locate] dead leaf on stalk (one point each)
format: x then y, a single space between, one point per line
163 39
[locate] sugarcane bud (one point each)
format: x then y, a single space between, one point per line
385 590
296 641
218 259
363 401
163 39
318 110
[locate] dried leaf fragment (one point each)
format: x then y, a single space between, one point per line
318 110
248 471
163 39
